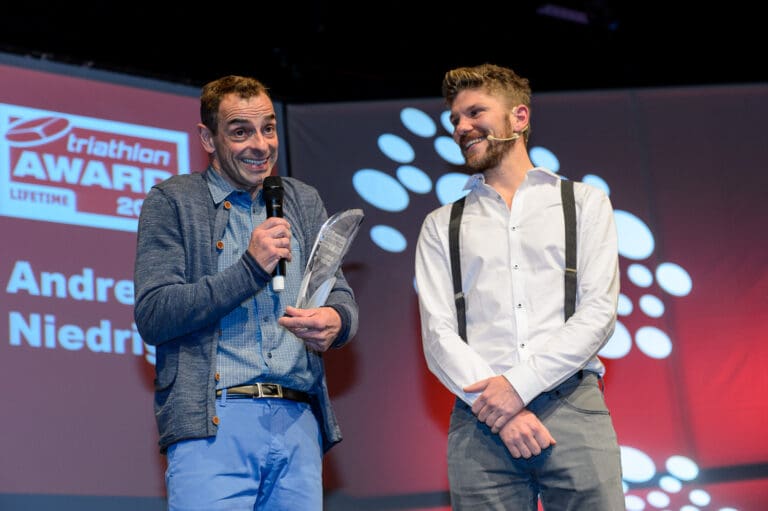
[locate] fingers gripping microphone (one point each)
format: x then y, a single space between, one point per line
514 136
273 197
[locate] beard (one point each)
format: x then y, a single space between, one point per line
489 159
493 154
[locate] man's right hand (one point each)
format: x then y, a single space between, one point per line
271 241
525 435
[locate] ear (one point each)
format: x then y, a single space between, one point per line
519 117
206 138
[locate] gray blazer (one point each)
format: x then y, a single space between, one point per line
180 296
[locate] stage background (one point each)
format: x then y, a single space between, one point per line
685 171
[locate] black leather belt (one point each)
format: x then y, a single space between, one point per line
265 390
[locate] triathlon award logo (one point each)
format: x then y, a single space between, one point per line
77 170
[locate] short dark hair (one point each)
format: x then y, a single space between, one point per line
213 92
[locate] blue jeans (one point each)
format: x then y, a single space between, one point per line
583 471
266 455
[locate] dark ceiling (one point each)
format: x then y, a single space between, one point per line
320 51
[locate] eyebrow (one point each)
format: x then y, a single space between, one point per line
240 120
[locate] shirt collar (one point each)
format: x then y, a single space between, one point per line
542 174
219 187
536 174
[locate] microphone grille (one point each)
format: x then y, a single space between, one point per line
273 182
272 188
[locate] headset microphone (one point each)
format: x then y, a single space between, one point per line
514 136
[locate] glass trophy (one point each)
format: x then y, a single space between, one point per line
332 243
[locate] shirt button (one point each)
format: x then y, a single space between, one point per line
519 305
515 267
269 355
215 420
227 204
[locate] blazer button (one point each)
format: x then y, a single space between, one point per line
215 420
220 245
227 204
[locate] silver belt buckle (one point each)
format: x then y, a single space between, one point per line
269 390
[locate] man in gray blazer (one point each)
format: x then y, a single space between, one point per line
241 400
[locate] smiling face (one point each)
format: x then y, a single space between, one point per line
244 148
476 114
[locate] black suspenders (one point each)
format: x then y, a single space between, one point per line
453 242
569 214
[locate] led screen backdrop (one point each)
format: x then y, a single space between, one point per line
78 151
686 380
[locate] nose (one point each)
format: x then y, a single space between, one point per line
258 141
462 126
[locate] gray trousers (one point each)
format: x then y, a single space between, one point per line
582 472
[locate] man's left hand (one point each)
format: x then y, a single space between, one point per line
318 328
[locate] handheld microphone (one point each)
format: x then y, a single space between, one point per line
273 197
514 136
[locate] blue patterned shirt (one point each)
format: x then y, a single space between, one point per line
252 346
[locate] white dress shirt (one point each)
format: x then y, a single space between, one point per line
512 264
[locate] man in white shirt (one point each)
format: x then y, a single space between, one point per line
530 421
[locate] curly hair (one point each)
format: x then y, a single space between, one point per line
491 78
